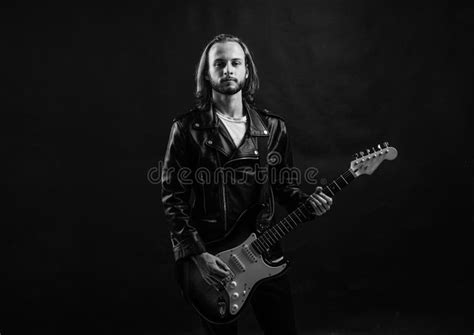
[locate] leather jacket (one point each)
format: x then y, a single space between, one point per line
201 208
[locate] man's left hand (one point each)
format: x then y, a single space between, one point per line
320 201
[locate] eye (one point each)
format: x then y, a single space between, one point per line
236 62
219 64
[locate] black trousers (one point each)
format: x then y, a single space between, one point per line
273 308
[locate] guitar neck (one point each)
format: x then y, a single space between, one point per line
301 214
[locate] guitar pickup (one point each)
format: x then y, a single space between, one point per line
249 254
237 263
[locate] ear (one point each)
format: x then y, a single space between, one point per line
246 72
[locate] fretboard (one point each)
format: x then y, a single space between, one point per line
301 214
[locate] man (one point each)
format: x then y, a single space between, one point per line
223 130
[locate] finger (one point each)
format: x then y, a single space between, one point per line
211 281
328 199
316 206
317 200
219 284
214 280
222 264
215 270
323 202
321 199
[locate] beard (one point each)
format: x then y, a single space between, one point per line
227 88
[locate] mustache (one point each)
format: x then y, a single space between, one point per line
228 79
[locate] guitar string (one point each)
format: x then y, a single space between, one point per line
268 240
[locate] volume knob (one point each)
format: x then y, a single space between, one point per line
233 284
235 307
235 295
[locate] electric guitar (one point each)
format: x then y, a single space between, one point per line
244 252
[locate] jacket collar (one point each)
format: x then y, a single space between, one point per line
207 119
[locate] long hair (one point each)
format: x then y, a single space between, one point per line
203 86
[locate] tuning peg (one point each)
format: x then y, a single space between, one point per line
385 144
361 153
379 147
356 155
374 151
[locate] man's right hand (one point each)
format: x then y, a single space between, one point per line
212 268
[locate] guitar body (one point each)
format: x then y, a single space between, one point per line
243 251
224 302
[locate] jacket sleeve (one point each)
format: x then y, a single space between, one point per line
175 195
286 183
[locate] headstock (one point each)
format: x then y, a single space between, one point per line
367 162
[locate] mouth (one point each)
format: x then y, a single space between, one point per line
229 80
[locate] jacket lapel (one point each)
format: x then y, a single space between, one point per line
256 128
217 136
220 139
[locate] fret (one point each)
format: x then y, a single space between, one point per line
302 213
349 176
329 189
268 236
270 231
289 224
308 208
286 228
268 242
299 217
293 218
277 232
278 226
332 188
347 183
264 242
289 217
257 246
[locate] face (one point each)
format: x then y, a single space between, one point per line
227 68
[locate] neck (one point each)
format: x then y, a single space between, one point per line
301 214
230 105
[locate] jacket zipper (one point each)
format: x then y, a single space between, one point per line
223 197
225 207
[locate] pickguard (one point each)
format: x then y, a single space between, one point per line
248 268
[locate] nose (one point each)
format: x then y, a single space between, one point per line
228 69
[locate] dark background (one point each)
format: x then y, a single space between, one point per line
89 97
